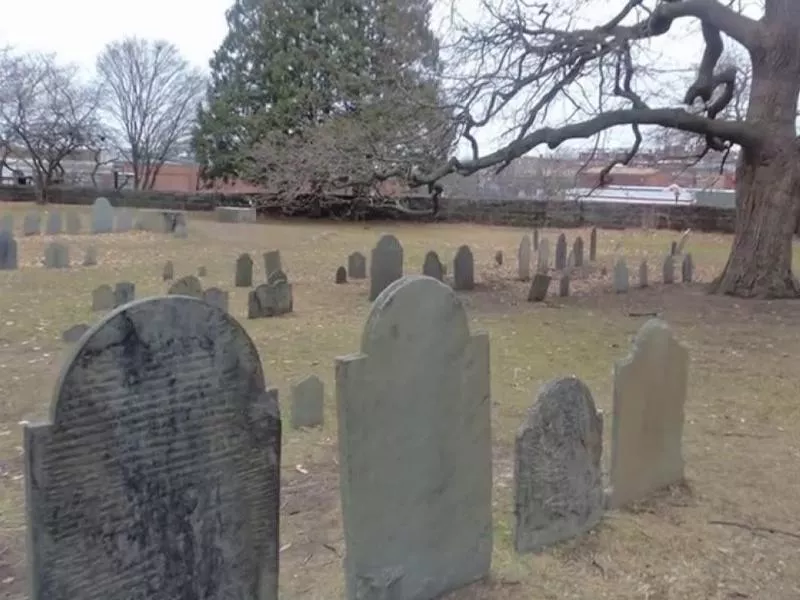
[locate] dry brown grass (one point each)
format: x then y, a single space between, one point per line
742 441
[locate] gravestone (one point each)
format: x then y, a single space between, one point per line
272 262
124 292
8 252
673 248
649 395
593 244
74 333
385 264
341 275
543 257
643 274
270 299
103 298
577 251
570 260
236 214
558 483
498 258
563 286
125 220
56 256
187 286
54 223
168 272
682 241
90 257
668 270
535 239
524 259
244 271
32 224
357 266
72 222
415 447
463 269
159 475
180 230
621 279
216 297
432 267
308 399
277 276
561 252
102 216
687 269
202 271
539 286
7 223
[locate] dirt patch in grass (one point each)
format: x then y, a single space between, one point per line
742 437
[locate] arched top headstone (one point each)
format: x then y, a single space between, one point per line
388 242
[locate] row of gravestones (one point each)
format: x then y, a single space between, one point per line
162 463
56 254
563 261
243 276
105 298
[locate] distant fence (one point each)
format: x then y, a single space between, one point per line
522 213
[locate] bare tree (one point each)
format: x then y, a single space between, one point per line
531 57
47 114
152 95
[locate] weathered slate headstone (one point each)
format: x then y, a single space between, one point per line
90 257
687 269
593 244
168 272
8 252
563 286
54 224
216 297
272 262
56 256
673 248
668 271
102 216
535 238
124 292
621 278
463 269
164 430
308 399
649 395
524 259
341 275
561 252
32 224
543 257
357 266
539 286
7 223
73 223
498 258
385 264
643 274
125 219
74 333
558 488
417 509
244 271
187 286
202 271
103 298
432 267
577 251
270 299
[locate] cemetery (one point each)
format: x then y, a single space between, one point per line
218 407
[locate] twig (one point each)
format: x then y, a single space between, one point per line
643 314
754 528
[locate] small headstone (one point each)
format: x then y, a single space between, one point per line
187 286
56 256
341 275
308 399
432 267
272 262
543 257
687 269
385 265
244 271
498 258
593 244
535 239
561 252
7 223
32 224
54 223
168 272
90 257
463 269
270 299
8 252
539 286
668 271
180 231
125 220
102 216
357 266
277 276
124 292
74 333
643 274
577 251
682 241
673 248
201 272
558 483
73 223
216 297
563 286
621 279
650 388
103 298
524 259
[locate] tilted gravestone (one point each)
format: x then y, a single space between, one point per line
103 298
593 244
90 257
8 252
650 388
74 333
432 267
168 272
643 274
271 299
244 271
187 286
543 257
535 239
687 269
563 286
32 224
272 262
7 223
72 222
558 482
308 399
385 264
102 216
159 475
539 286
56 256
54 223
125 220
124 292
524 259
463 269
668 270
415 447
216 297
577 251
561 252
621 278
357 266
341 275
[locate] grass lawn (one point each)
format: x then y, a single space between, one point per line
742 435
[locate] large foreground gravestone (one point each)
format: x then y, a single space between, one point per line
649 396
158 475
524 258
385 264
357 266
558 484
464 269
102 216
432 266
8 252
415 447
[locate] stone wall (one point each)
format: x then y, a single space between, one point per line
522 213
